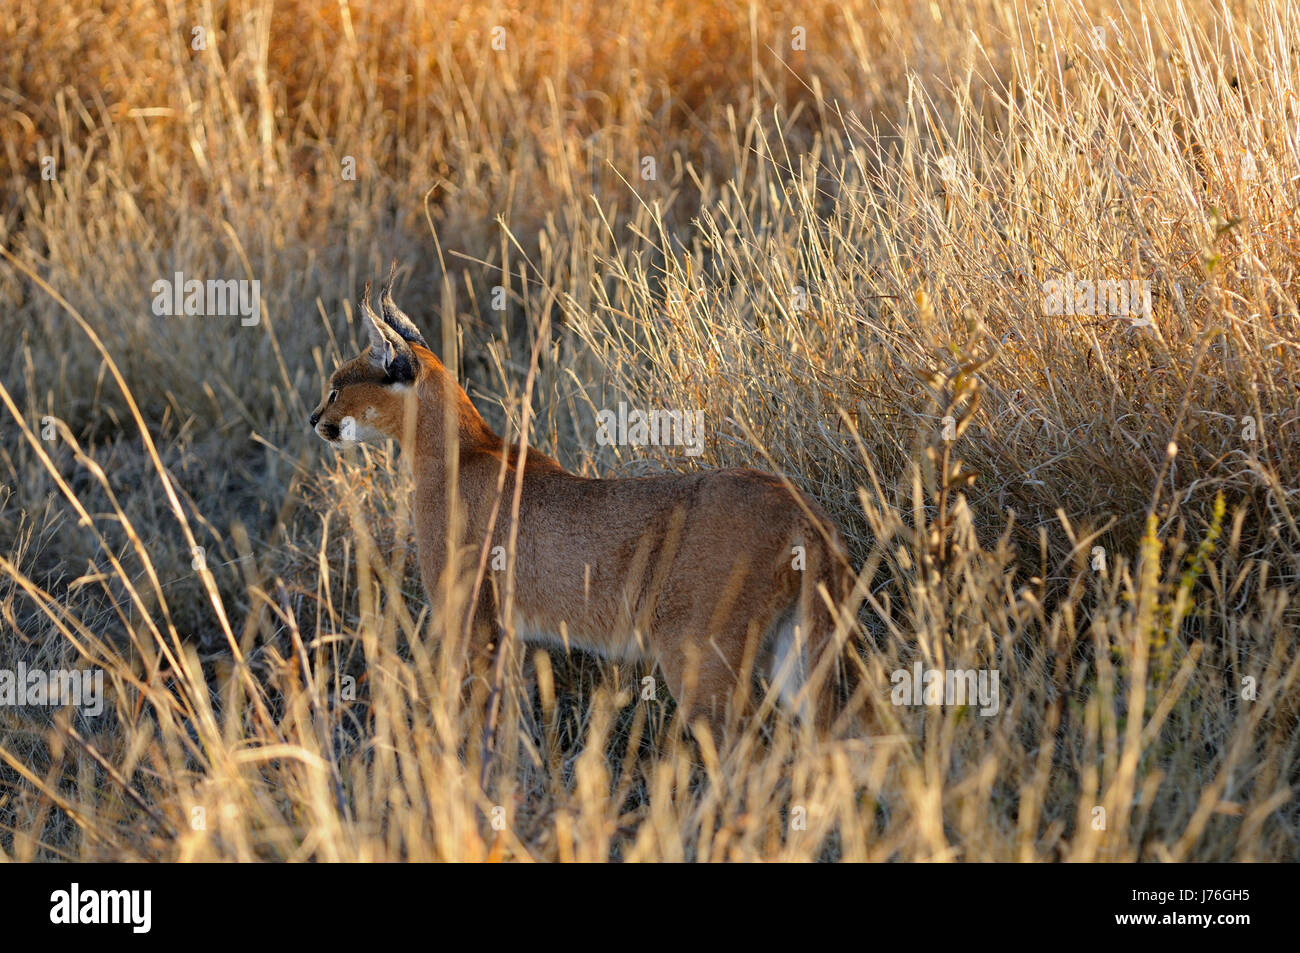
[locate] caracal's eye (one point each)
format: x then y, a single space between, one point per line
333 396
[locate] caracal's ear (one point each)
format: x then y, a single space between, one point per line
388 352
394 316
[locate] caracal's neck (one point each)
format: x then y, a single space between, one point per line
436 390
443 414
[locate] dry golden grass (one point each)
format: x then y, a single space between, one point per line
843 246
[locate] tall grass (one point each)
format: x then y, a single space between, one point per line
840 259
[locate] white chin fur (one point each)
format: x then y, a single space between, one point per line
352 431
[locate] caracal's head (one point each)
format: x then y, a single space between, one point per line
369 397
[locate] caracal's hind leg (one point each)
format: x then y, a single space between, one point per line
710 679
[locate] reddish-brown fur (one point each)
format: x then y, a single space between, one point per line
692 571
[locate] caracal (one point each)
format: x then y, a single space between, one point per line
721 577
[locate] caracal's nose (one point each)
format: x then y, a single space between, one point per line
314 419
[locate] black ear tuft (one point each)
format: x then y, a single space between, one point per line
396 319
388 351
